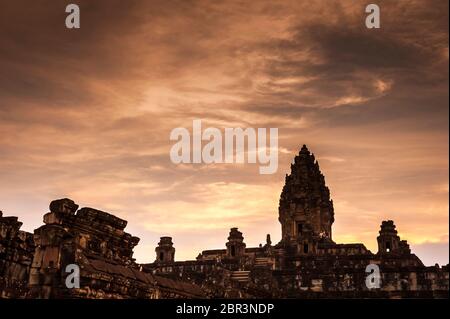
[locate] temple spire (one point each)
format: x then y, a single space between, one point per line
305 205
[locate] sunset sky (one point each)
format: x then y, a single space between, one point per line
87 113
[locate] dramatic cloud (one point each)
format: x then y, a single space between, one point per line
87 114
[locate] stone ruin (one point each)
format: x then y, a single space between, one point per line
34 265
16 254
305 263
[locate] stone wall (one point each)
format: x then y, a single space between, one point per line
16 254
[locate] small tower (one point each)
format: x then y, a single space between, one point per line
235 244
165 252
388 240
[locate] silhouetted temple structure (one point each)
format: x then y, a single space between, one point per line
306 263
93 240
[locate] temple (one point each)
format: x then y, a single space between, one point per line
305 263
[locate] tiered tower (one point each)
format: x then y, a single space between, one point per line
165 252
306 212
235 244
389 242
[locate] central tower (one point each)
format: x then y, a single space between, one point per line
306 212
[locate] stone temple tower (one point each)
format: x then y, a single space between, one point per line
165 252
235 244
389 242
306 212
